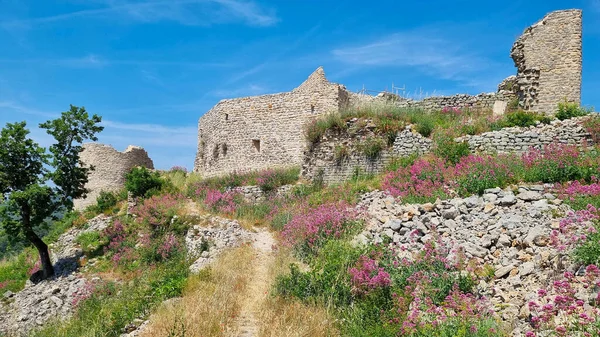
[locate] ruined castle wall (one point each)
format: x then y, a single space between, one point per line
548 57
110 168
321 162
254 133
521 139
481 102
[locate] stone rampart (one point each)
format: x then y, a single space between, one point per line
110 168
323 161
254 133
548 57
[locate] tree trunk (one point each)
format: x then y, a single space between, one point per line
42 247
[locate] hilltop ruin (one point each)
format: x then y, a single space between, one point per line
110 168
254 133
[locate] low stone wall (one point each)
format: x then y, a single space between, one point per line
255 194
321 162
517 139
481 102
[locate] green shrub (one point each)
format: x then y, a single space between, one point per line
269 180
425 126
397 162
589 251
105 201
15 271
91 243
371 147
447 148
568 110
141 182
314 130
112 306
340 153
327 281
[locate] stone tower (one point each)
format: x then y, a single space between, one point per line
110 168
548 56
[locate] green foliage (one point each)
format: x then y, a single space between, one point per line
106 201
314 130
112 306
340 153
270 180
568 110
15 271
327 281
91 243
371 147
142 182
37 184
589 251
592 126
447 148
425 125
397 162
280 220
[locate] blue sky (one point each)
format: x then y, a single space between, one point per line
151 68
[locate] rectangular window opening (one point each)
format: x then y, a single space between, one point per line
256 144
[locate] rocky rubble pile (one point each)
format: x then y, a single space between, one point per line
205 242
53 298
508 231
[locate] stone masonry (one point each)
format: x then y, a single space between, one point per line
321 161
254 133
548 57
110 168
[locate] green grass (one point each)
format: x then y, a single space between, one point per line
14 270
114 305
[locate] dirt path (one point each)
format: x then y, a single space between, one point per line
258 287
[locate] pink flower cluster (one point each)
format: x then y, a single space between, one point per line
425 178
366 275
562 310
118 244
169 247
313 225
158 210
451 110
37 266
573 228
83 293
223 202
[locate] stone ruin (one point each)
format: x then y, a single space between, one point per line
110 168
254 133
548 57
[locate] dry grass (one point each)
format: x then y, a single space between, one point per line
280 317
210 302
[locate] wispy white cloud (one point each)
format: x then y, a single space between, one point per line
273 58
421 48
97 61
185 12
15 109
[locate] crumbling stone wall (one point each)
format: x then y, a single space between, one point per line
548 57
321 162
254 133
480 102
521 139
110 168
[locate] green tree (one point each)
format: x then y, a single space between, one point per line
37 183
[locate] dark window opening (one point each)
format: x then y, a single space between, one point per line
226 117
256 144
216 151
224 148
312 108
